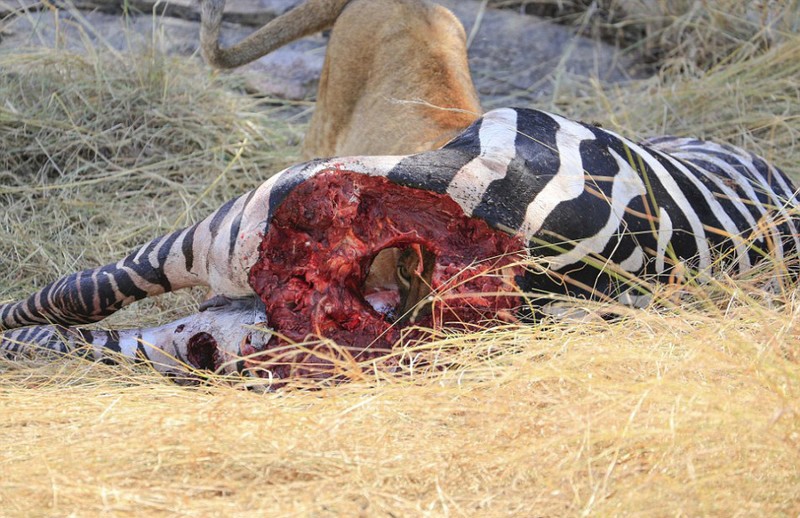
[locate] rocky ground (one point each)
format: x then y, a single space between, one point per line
516 58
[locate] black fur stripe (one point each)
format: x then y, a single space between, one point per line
536 162
435 171
288 180
431 173
219 216
236 225
139 262
187 248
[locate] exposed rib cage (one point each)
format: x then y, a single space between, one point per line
590 203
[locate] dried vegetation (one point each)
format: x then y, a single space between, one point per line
672 410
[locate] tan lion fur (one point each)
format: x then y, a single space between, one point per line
395 78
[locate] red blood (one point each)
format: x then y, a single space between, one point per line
316 255
202 352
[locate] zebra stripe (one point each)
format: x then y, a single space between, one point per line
679 197
568 182
757 201
626 186
771 172
635 261
730 228
496 136
664 237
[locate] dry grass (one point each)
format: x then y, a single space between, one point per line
655 415
666 412
101 155
665 32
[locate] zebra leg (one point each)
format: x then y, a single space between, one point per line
93 294
211 340
210 253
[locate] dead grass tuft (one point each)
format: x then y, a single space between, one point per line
685 34
751 101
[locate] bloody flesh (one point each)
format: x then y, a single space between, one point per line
203 352
316 255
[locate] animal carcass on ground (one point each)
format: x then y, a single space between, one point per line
522 206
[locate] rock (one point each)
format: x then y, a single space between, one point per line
243 12
291 73
73 30
518 59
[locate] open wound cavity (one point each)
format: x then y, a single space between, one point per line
349 260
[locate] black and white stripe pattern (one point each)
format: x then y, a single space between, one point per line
593 206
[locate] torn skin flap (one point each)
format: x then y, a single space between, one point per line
329 238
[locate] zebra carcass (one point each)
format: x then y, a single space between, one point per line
522 206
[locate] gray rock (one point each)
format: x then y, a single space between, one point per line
289 73
74 30
243 12
518 59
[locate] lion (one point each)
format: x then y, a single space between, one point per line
395 80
